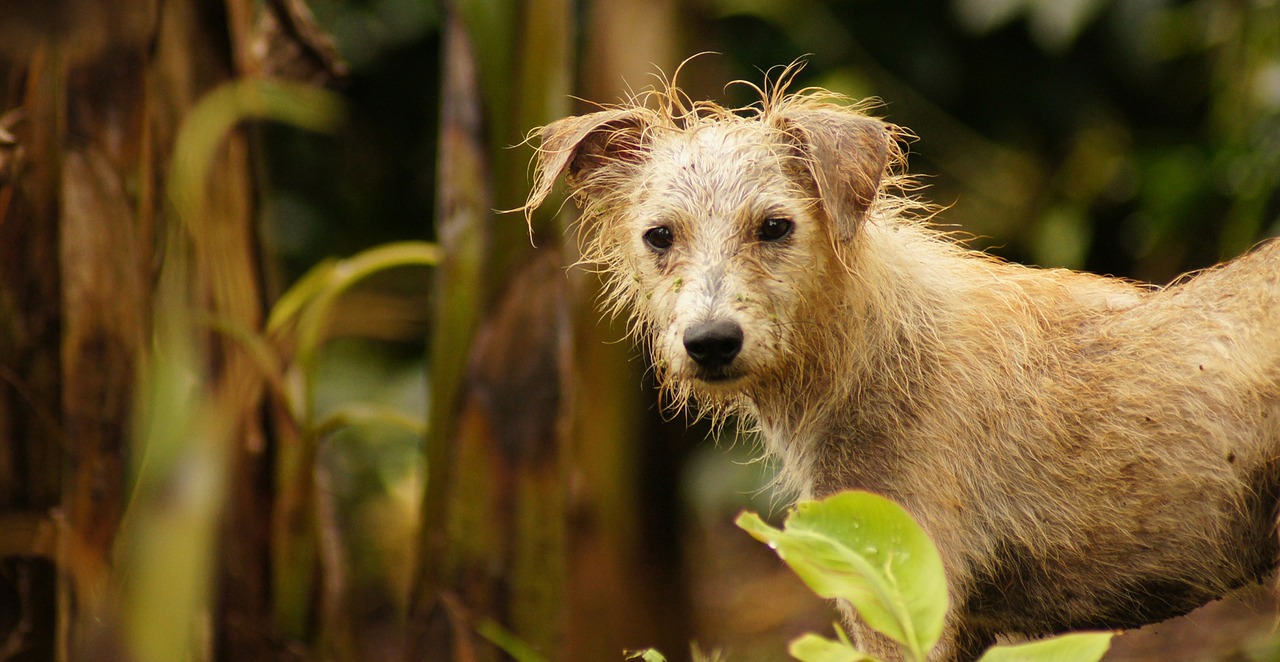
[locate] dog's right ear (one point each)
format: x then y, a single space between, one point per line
590 147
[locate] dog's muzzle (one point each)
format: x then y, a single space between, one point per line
713 345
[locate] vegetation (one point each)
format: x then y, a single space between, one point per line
867 550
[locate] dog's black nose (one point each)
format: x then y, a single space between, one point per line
713 344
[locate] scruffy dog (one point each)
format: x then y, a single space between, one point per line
1086 452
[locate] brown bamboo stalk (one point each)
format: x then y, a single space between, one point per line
104 93
614 550
493 541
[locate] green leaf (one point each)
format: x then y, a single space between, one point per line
866 549
814 648
355 414
508 641
313 298
1078 647
300 294
202 132
647 655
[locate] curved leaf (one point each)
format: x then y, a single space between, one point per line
508 641
1078 647
814 648
369 414
866 549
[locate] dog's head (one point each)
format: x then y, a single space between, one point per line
722 232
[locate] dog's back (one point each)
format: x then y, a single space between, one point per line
1124 470
1087 452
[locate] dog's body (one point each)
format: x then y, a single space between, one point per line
1085 452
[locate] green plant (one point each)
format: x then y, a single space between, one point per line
300 320
867 550
188 417
695 653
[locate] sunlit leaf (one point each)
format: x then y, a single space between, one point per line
814 648
508 641
866 549
1079 647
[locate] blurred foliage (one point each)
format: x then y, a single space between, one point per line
868 551
300 324
654 655
185 422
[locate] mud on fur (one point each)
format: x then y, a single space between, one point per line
1085 451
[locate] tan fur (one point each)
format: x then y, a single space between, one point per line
1086 452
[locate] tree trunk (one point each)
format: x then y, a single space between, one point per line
492 547
94 95
627 581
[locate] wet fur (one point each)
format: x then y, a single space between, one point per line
1086 452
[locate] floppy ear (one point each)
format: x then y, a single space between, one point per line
846 154
588 146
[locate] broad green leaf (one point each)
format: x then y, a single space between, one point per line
647 655
1078 647
865 549
814 648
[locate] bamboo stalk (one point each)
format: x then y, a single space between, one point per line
493 538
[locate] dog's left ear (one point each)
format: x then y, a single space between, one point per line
846 154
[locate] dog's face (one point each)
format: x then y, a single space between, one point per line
721 249
722 235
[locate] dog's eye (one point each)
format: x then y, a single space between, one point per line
775 229
659 238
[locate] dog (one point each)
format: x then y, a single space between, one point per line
1085 451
